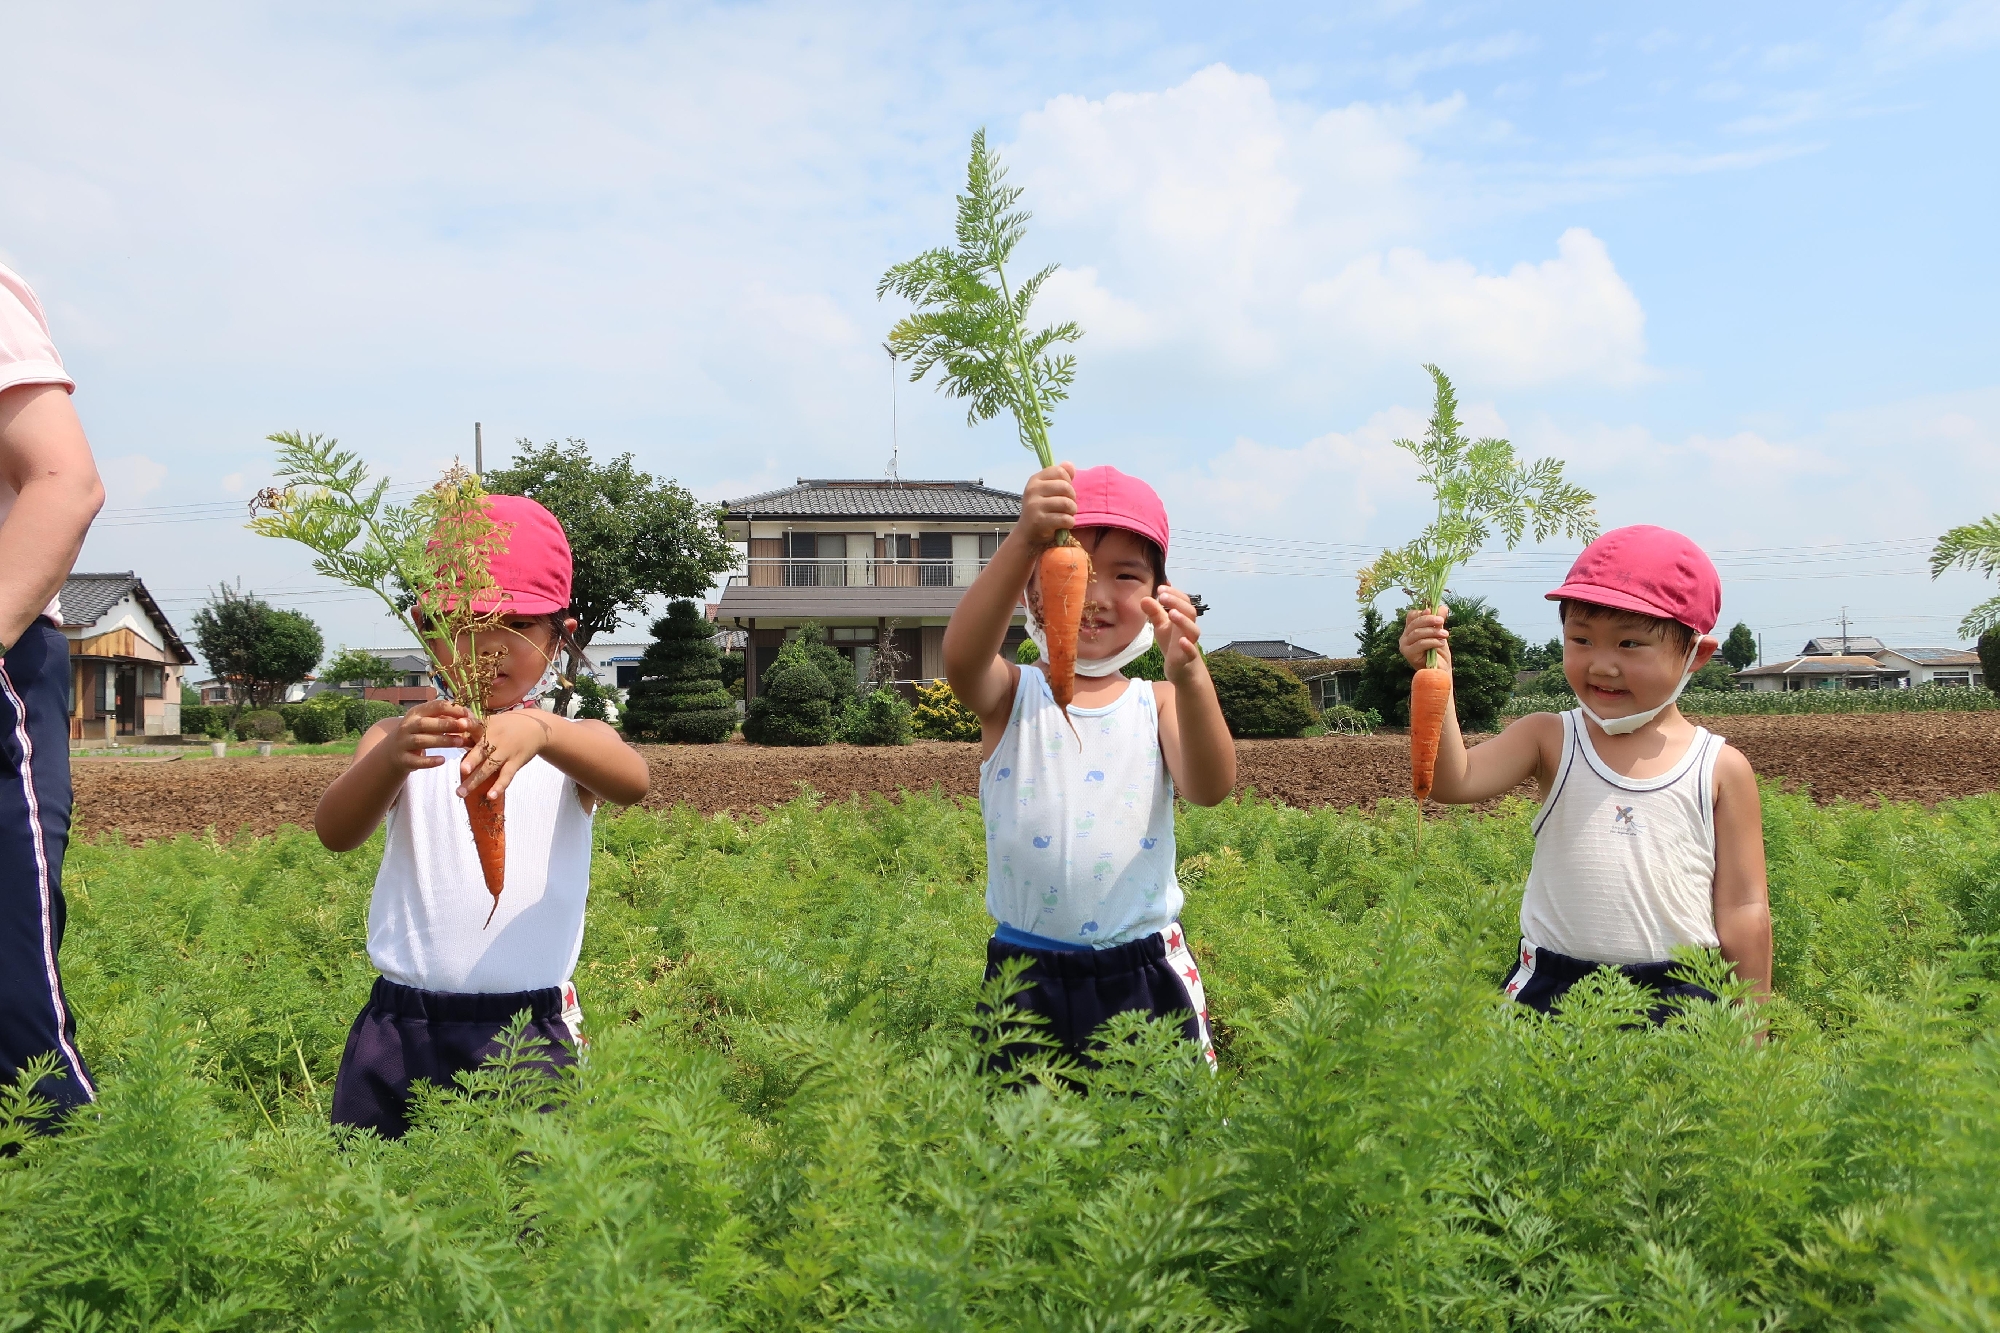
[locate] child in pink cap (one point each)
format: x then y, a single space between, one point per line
1650 835
1079 809
449 983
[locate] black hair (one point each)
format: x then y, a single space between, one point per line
1682 636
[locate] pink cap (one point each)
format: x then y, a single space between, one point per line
1107 498
1649 570
534 570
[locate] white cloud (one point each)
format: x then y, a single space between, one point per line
1571 316
1262 236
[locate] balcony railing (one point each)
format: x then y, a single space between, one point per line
857 572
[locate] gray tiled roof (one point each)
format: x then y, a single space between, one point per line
832 498
1833 645
1939 656
86 597
1271 650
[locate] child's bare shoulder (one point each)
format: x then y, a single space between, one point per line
1731 764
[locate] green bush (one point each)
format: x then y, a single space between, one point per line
679 695
263 724
371 712
939 716
204 720
782 1124
1026 653
594 700
321 720
291 713
1259 698
1485 657
880 717
802 699
1347 720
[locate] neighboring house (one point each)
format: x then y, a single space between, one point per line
1822 671
1329 680
855 555
1936 666
411 686
616 664
1837 645
126 659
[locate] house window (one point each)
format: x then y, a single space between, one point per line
934 550
1959 678
853 633
152 681
628 675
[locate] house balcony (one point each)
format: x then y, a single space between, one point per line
858 572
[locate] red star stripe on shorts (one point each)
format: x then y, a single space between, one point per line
1174 940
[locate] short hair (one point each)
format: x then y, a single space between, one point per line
1683 636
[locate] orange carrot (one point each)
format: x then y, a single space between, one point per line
1065 575
489 835
1430 695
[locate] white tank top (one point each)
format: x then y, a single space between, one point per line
1080 842
1624 868
430 901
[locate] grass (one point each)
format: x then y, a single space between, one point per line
782 1123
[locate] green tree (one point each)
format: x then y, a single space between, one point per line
1739 650
254 647
1714 675
879 717
353 666
1259 698
802 699
1485 656
631 537
679 695
1542 656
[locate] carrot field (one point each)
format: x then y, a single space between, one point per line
782 1123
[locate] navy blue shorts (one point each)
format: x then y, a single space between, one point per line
35 1017
1541 981
404 1034
1078 990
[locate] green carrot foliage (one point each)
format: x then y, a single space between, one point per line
1480 486
971 323
782 1123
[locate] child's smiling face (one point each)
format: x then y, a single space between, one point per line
525 644
1121 574
1622 664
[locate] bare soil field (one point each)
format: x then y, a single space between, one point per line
1897 756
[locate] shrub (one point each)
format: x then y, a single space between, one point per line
291 713
370 712
939 715
594 701
204 720
1347 720
1485 657
322 720
1259 698
800 701
1026 653
880 717
1732 703
679 695
263 724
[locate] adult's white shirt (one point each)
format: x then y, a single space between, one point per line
27 356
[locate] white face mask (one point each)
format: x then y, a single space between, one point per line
1097 666
1625 726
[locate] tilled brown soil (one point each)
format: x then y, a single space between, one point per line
1903 756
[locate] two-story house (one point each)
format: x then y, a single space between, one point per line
875 561
126 659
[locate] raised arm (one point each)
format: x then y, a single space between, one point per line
1528 748
1194 738
45 458
391 750
972 663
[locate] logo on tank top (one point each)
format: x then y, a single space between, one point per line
1622 821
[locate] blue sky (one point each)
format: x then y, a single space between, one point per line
1736 268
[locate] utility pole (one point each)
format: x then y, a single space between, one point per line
895 444
478 453
1843 631
1760 650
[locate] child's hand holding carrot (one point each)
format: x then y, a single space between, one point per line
1048 505
439 724
1424 632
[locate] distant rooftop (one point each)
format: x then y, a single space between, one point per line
1939 656
1821 664
821 498
1271 650
1833 645
86 597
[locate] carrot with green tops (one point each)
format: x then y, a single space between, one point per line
1479 485
967 320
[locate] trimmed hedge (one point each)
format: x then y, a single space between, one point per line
879 718
939 716
1259 698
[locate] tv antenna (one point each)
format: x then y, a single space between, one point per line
895 443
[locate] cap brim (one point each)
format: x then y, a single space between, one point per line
1616 598
516 606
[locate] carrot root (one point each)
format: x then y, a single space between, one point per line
489 837
1430 695
1065 576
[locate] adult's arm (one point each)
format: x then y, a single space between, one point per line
45 458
